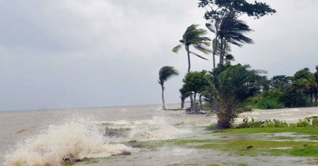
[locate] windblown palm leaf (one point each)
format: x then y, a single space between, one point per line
230 88
232 30
166 73
196 38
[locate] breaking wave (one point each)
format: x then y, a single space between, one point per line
68 142
157 129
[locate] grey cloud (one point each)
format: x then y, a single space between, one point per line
79 53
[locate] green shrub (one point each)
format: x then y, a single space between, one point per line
303 123
270 103
314 122
272 99
250 124
275 123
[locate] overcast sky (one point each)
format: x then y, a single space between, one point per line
80 53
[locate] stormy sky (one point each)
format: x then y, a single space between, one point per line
80 53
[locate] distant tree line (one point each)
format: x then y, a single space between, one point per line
299 90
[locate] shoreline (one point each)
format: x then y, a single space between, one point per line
17 126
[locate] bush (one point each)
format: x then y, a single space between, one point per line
275 123
250 124
272 99
303 123
314 122
270 103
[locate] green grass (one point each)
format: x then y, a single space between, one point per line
238 146
299 130
153 145
67 165
260 147
192 165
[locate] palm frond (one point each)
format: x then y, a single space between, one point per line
202 48
198 55
177 48
166 73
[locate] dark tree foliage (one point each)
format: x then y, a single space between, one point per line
222 16
194 82
239 7
301 90
232 85
280 82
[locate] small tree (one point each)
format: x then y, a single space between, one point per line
194 83
165 73
184 95
231 86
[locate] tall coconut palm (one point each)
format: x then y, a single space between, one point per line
228 30
196 38
165 73
232 31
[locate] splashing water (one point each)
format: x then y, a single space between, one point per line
71 141
157 129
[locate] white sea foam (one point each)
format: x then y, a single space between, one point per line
76 139
157 129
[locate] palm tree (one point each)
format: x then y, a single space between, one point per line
166 73
228 30
232 31
229 90
194 37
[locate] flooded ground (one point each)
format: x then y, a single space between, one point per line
98 135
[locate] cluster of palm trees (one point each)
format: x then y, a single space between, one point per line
229 85
229 31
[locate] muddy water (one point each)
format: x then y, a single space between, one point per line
34 129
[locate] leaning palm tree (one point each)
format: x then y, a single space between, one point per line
165 73
232 31
196 38
229 30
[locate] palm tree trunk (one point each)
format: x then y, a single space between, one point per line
200 99
189 60
163 97
216 25
182 102
221 53
195 98
214 51
191 100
